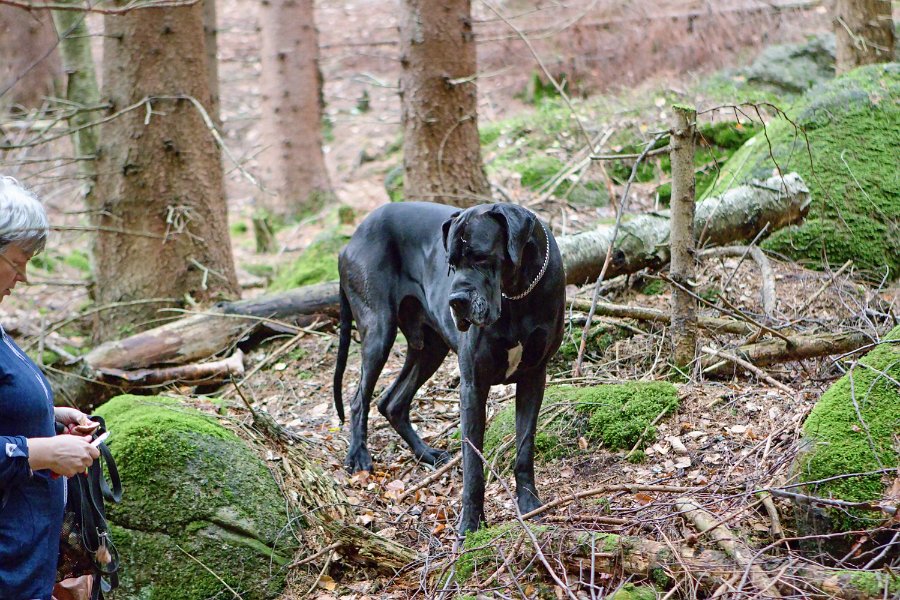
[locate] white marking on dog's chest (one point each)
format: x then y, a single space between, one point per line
513 358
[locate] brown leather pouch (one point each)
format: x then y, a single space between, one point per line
74 588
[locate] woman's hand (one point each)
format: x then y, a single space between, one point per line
74 418
65 455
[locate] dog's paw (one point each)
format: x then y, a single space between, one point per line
529 502
471 520
358 460
435 457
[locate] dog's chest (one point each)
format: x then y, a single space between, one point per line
513 358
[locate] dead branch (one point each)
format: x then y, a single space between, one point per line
750 367
801 347
605 489
731 544
765 267
431 478
640 313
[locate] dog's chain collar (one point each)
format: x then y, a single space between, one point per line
539 275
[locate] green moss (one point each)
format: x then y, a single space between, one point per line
873 583
538 169
614 415
853 126
79 260
317 263
190 483
653 287
630 591
393 184
619 414
479 550
599 339
846 442
44 262
239 228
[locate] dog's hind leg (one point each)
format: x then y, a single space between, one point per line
420 365
377 338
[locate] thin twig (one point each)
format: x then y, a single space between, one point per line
431 478
750 367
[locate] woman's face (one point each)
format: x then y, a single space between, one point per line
13 263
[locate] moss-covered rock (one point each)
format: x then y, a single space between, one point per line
851 430
199 507
853 127
316 264
794 67
613 415
629 591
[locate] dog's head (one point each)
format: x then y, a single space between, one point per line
485 247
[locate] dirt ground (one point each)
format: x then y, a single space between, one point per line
730 436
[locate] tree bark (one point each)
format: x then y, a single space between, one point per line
29 64
684 307
211 42
738 215
82 89
292 159
441 146
864 33
163 225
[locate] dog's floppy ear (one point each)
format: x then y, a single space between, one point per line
446 228
519 223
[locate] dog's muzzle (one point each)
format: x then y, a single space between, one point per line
469 309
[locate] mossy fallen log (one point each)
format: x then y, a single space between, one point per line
659 562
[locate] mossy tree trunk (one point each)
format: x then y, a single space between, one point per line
292 159
163 224
684 306
82 90
864 33
441 145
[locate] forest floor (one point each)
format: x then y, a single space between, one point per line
728 438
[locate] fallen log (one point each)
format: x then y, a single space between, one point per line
738 215
711 569
797 347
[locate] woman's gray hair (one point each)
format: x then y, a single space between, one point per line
22 217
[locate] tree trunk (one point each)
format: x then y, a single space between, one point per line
81 89
29 64
163 226
864 33
210 38
738 215
292 159
441 146
681 270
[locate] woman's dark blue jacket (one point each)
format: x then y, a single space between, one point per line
31 503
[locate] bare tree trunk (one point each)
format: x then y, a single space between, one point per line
684 306
864 33
292 160
29 63
441 146
163 226
210 36
82 90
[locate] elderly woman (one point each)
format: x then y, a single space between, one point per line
31 498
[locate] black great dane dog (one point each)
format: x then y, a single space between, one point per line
486 282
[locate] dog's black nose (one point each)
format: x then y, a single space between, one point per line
459 302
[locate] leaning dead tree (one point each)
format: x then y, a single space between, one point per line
740 214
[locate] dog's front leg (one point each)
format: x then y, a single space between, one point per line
529 396
473 398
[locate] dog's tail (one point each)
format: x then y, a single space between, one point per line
343 350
